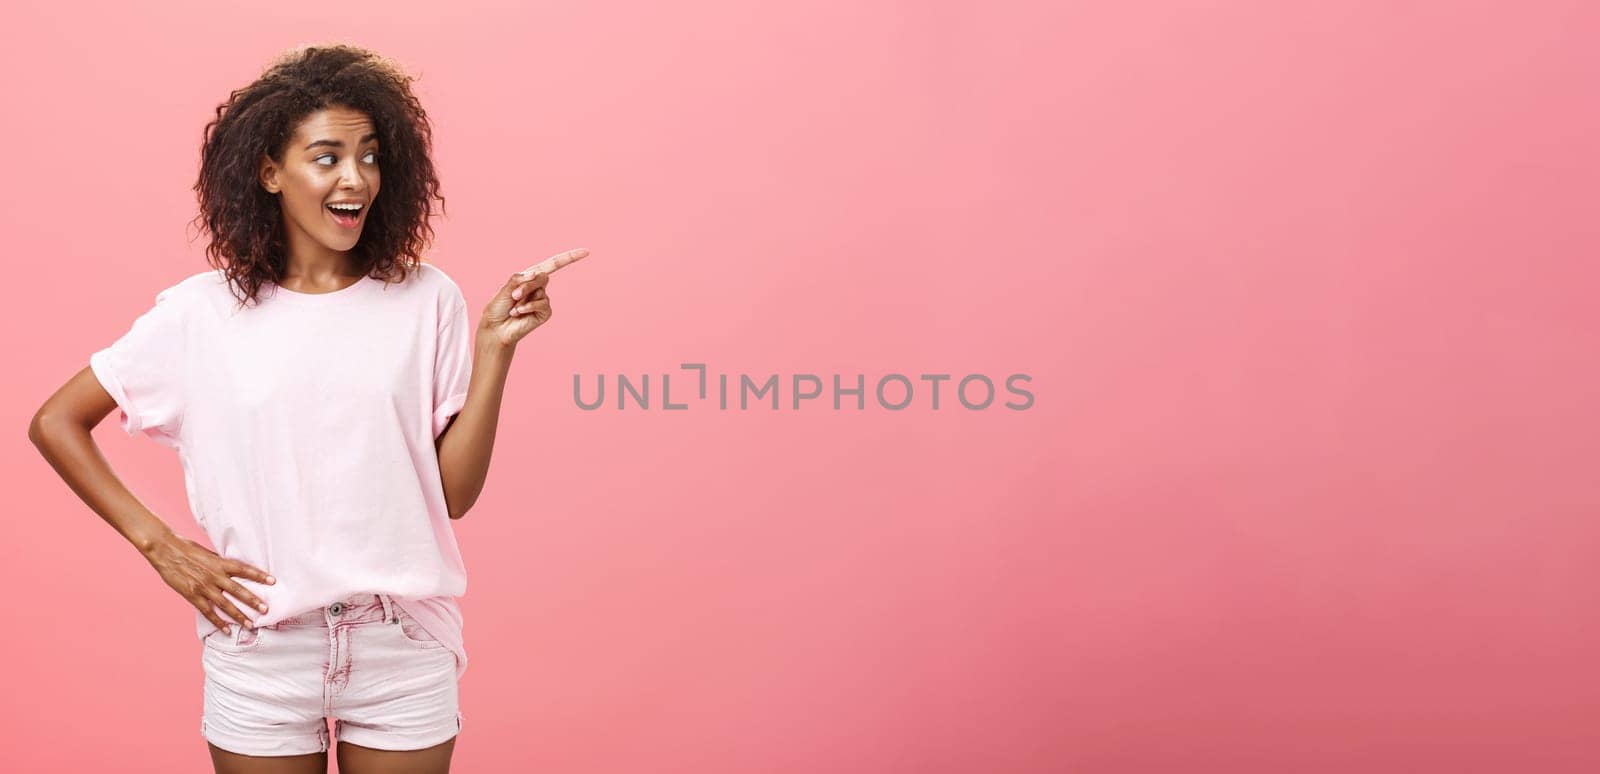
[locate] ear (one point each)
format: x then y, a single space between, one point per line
267 173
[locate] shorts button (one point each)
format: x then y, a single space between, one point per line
336 608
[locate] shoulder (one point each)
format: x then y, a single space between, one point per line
204 290
440 283
194 283
430 273
184 293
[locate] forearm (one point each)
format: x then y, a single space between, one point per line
71 451
468 443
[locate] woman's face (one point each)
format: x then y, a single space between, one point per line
331 159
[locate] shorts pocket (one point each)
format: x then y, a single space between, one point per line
242 639
412 632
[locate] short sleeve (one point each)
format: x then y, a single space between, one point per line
452 367
144 370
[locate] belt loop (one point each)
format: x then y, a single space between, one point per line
388 615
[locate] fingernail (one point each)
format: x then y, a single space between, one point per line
516 293
271 579
581 252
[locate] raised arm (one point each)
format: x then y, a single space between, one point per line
521 305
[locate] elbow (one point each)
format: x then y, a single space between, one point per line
42 428
35 432
457 501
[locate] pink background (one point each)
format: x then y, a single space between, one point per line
1306 292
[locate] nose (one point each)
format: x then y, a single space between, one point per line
350 178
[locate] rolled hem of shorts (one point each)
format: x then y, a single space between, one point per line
388 740
263 747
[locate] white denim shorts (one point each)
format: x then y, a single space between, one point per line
362 661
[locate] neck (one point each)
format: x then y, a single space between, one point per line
312 261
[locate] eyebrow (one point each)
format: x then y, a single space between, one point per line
337 144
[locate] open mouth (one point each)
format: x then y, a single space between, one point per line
347 215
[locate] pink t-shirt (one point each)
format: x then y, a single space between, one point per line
305 426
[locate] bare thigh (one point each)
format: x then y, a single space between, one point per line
355 759
233 763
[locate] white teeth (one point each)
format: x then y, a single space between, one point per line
346 207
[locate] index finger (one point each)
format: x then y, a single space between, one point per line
555 262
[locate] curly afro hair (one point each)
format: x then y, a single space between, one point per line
245 221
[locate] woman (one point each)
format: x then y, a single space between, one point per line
333 412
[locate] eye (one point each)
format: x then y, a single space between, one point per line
374 157
324 156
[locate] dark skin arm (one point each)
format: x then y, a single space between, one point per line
60 430
521 305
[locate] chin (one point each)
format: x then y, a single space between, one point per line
341 245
